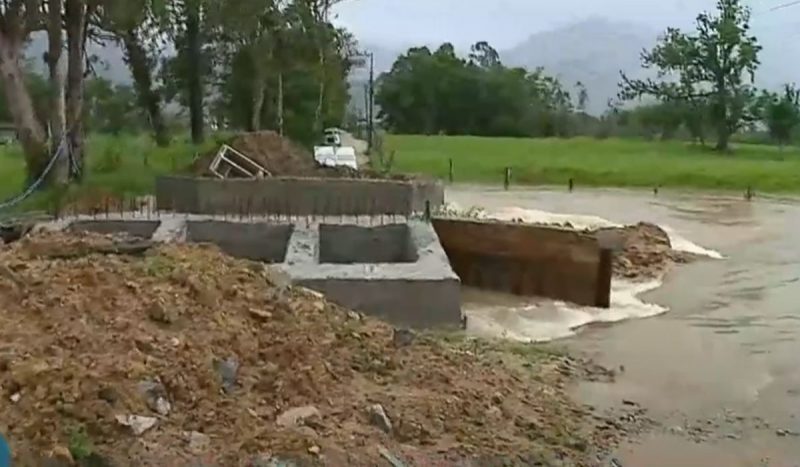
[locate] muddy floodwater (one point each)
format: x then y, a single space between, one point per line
713 353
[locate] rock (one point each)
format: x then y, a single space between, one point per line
296 416
198 442
228 370
108 394
494 412
137 423
314 450
16 397
378 417
155 395
261 315
277 278
402 337
394 461
158 313
61 454
784 433
629 403
733 436
263 460
497 398
353 315
677 430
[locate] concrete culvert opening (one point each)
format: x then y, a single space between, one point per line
141 229
349 244
255 241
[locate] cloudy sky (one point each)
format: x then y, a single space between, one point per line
504 23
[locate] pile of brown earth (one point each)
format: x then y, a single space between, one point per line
281 157
120 352
646 253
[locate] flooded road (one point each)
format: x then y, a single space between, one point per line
721 368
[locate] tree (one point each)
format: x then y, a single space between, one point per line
439 92
136 26
716 64
18 18
781 113
583 96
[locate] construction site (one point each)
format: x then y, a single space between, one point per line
267 309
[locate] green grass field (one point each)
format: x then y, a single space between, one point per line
128 165
592 162
123 165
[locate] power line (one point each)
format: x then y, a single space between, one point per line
785 5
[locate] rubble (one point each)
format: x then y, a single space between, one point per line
646 252
280 157
79 344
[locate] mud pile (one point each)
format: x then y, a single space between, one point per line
281 157
115 351
646 253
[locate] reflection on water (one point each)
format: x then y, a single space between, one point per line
730 338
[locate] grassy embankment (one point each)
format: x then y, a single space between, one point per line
591 162
123 165
117 164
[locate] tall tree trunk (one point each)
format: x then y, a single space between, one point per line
30 132
56 68
321 95
194 67
149 99
259 91
723 137
76 40
280 103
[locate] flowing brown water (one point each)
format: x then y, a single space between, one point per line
721 369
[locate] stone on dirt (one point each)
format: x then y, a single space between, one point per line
297 416
137 423
378 417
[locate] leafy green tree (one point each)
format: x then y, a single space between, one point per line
781 113
438 92
716 64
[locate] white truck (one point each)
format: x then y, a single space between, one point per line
333 154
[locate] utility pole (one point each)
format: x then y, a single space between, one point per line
371 103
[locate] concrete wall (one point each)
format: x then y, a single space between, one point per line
137 228
256 241
418 294
528 260
348 244
296 196
412 303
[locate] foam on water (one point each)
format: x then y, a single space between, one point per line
545 320
537 320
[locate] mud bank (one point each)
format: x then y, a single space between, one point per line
113 349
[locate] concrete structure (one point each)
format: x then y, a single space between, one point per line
528 260
396 271
296 196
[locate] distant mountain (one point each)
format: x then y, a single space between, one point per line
109 63
592 52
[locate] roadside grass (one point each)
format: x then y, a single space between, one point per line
592 162
127 165
115 165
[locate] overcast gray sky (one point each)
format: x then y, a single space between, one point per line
504 23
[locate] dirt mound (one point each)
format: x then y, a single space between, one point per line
281 157
647 252
177 354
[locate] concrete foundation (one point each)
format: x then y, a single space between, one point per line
349 244
259 241
297 196
417 291
397 272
